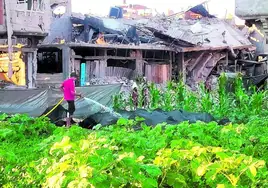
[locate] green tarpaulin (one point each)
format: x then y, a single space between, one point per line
35 102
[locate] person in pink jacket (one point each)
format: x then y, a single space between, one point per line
69 92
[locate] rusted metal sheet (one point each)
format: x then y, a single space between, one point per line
1 12
201 70
157 73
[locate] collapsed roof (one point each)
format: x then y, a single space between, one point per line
186 34
212 33
204 33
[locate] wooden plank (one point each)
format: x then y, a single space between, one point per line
77 66
181 66
170 65
204 48
122 46
93 68
88 70
139 63
97 69
102 57
190 67
103 65
143 47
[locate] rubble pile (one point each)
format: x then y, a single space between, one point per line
169 31
108 80
126 83
207 43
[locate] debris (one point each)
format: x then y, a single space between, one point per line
196 31
168 31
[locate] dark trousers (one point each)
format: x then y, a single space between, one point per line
71 107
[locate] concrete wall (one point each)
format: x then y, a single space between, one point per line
28 21
251 9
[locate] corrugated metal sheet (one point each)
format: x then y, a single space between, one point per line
157 73
201 67
118 72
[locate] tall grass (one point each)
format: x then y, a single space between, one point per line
237 104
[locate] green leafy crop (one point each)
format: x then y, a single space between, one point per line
36 153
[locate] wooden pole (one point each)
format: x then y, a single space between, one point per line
170 65
181 66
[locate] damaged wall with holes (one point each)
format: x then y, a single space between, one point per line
28 17
25 22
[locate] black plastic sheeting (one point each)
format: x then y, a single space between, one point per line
255 80
93 109
36 102
152 118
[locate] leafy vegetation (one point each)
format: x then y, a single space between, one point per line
230 100
186 155
36 153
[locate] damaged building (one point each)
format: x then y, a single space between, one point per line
195 47
23 25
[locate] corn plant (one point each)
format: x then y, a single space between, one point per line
155 96
236 104
205 98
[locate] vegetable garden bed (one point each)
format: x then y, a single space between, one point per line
36 153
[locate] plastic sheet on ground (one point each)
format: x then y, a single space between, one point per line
152 118
95 108
36 102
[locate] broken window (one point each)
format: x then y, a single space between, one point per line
33 5
49 62
49 68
